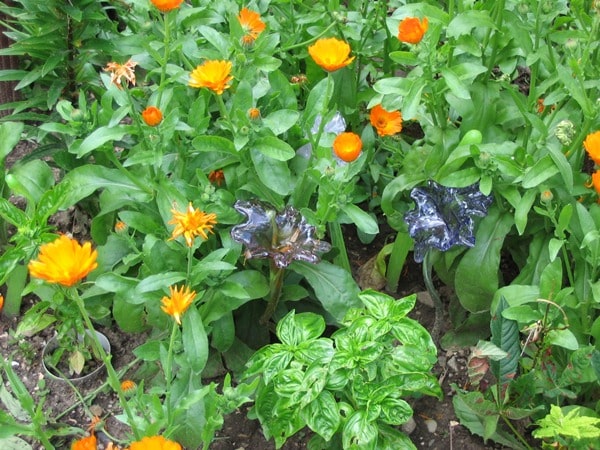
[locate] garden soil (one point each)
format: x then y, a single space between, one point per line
434 424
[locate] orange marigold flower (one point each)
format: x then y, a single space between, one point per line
216 177
540 105
214 75
592 146
387 123
192 223
64 261
118 71
128 386
330 54
86 443
347 146
1 302
178 302
120 226
152 116
411 29
166 5
252 25
596 181
155 443
254 113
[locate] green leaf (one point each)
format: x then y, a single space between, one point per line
10 135
98 138
464 22
334 287
543 169
159 281
12 214
505 335
31 180
295 329
322 415
281 120
195 341
404 58
523 208
476 292
562 338
273 173
454 84
274 148
363 220
15 443
212 144
359 432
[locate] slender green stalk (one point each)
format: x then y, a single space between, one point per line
113 378
400 250
168 374
311 40
166 54
190 258
437 302
276 281
317 137
338 241
516 432
222 108
135 180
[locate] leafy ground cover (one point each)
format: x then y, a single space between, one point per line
221 157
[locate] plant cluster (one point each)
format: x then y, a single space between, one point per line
221 151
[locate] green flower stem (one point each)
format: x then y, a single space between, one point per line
437 302
222 108
317 137
400 249
190 257
276 281
168 374
515 432
135 180
311 40
166 54
113 378
337 240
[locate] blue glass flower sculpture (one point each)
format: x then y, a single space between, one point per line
283 236
444 216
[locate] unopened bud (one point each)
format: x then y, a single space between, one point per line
565 132
546 196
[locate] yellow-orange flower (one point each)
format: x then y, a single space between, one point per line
596 181
192 223
120 226
387 123
216 177
330 53
155 443
178 302
128 386
214 75
411 30
166 5
64 261
254 113
592 146
347 146
86 443
252 25
118 71
152 116
1 302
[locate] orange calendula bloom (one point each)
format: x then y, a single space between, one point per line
1 302
411 30
330 54
252 25
216 177
254 113
86 443
347 146
192 223
214 75
128 386
152 116
178 302
387 123
118 71
596 181
592 146
64 261
120 226
166 5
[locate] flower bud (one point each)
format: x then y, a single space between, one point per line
523 8
546 196
565 132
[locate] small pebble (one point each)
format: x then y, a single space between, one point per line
452 363
431 425
15 364
409 426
